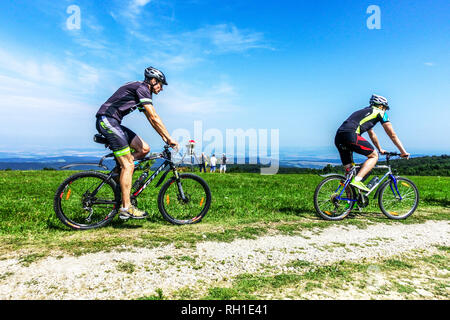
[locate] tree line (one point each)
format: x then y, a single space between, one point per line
420 166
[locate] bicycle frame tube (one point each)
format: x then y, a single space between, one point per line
152 177
388 173
102 183
344 187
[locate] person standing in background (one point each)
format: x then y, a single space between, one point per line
213 161
203 162
223 165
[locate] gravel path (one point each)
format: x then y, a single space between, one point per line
135 272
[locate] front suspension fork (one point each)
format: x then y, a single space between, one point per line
179 186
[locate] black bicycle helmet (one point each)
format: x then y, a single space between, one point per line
151 72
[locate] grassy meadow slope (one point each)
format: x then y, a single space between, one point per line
244 205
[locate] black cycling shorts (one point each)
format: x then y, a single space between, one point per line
349 142
119 137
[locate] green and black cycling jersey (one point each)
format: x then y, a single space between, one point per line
348 137
126 99
364 120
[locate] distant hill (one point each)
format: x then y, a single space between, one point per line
424 166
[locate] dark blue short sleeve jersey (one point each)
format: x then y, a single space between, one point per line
364 120
126 99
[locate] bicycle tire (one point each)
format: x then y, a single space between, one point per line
329 214
71 213
388 212
178 212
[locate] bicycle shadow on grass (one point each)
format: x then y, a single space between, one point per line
299 212
136 223
116 223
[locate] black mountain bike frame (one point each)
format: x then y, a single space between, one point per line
167 165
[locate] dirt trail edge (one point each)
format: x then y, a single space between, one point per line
138 272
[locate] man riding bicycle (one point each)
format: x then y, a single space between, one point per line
348 138
127 145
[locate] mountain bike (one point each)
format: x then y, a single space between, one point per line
335 198
91 199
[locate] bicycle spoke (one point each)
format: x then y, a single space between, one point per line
78 208
327 201
400 203
187 205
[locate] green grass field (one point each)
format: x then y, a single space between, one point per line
243 205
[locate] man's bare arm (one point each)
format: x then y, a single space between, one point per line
391 133
157 123
375 141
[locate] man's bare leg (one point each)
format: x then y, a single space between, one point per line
370 163
140 146
126 175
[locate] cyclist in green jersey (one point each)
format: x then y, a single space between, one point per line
348 138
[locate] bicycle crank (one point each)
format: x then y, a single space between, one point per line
363 201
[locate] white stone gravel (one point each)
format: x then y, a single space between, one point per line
99 276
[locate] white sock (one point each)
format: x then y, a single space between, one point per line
124 209
358 179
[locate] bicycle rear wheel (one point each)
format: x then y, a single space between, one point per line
328 198
86 200
398 200
191 210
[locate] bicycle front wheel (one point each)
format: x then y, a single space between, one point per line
188 209
86 200
398 200
331 201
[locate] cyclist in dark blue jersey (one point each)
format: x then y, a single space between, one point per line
348 137
127 145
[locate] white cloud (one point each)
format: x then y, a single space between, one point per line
178 51
222 38
43 91
429 64
67 73
30 69
134 8
228 38
140 3
131 11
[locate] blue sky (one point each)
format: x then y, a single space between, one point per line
298 66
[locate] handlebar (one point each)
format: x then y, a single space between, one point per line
388 157
392 154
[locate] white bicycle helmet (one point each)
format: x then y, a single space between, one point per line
379 100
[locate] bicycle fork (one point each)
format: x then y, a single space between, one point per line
396 186
180 187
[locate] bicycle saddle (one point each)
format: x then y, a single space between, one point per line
100 139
